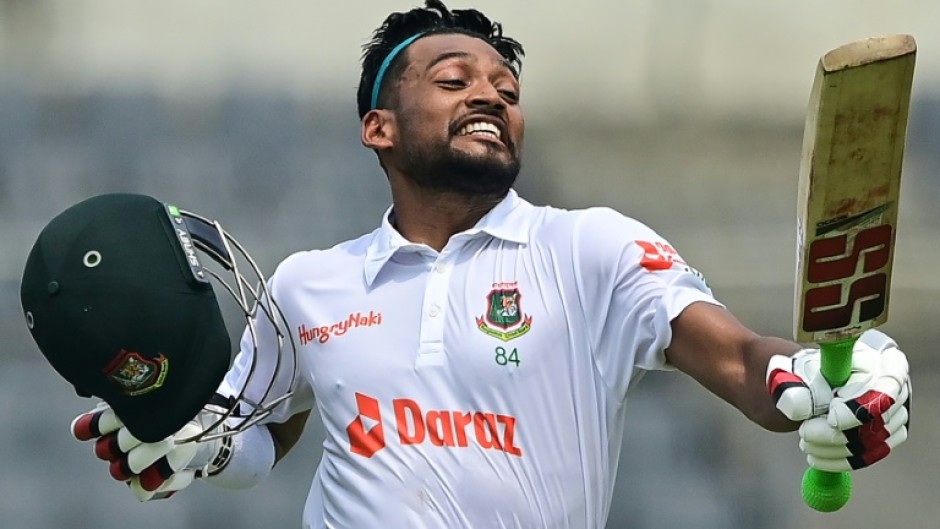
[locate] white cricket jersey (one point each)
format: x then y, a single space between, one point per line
482 386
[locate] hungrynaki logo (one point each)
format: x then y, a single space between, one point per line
442 428
323 333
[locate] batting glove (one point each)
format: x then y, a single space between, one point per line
157 470
797 386
869 416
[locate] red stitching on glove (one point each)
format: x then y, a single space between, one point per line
867 443
870 405
863 439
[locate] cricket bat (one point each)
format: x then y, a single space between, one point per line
850 179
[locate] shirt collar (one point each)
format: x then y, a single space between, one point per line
507 220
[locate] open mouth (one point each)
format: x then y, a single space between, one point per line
488 128
481 128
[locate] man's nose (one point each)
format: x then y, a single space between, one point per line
486 95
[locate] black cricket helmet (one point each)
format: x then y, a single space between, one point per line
118 300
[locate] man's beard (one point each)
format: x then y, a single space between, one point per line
440 167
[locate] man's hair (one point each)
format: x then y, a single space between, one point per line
434 18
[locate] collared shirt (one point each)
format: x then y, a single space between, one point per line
482 385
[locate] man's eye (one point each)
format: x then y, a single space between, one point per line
510 95
453 83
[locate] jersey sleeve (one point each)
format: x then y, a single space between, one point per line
265 367
634 284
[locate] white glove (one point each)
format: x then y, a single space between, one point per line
797 386
157 470
869 416
856 425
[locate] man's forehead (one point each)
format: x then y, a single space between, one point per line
432 49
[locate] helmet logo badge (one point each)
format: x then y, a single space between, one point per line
135 374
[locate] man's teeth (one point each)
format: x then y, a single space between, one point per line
480 128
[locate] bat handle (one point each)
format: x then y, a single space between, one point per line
829 491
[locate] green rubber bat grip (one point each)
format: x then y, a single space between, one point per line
829 491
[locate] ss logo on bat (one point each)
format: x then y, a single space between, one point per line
872 247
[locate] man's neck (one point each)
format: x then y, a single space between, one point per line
432 217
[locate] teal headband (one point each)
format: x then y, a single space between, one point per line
377 85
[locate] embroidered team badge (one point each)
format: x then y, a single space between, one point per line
135 374
504 318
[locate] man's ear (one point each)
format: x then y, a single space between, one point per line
378 129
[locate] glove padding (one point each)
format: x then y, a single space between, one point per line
856 425
797 385
869 416
157 470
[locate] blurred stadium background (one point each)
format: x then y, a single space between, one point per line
685 115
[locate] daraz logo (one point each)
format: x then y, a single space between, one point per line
443 428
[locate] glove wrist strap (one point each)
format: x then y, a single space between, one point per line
222 458
250 459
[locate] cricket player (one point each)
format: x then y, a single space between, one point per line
470 358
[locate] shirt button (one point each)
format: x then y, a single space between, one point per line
440 269
434 310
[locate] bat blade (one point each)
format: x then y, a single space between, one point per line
850 180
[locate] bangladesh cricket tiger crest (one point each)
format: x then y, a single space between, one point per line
135 374
504 318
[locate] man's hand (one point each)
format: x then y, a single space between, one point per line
856 425
869 416
153 471
797 386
